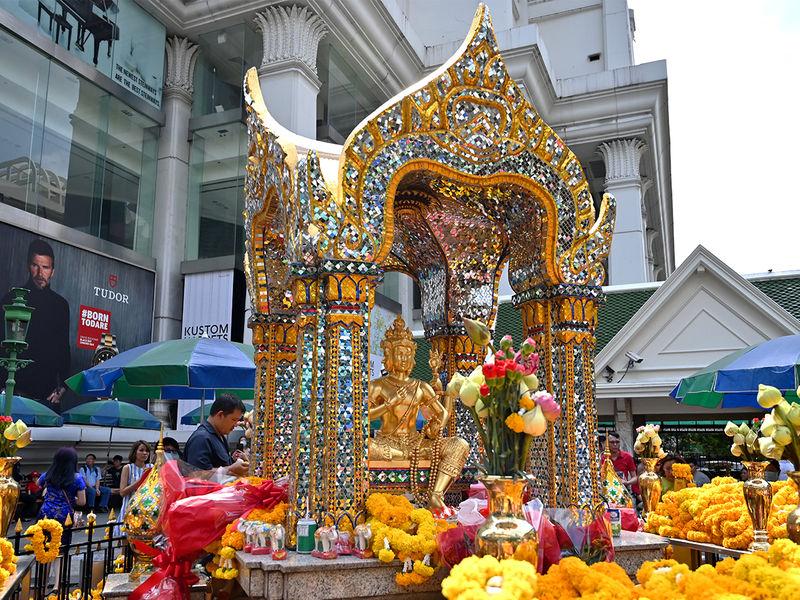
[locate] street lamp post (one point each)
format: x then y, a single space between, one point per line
17 317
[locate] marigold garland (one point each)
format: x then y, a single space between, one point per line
487 578
8 561
273 516
682 471
45 551
716 513
401 531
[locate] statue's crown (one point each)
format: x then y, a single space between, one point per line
398 333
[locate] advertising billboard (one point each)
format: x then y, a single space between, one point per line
117 37
77 296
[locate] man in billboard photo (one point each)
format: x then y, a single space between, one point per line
48 332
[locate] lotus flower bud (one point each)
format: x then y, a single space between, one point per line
782 435
794 414
638 447
736 450
731 428
456 381
531 381
768 425
769 448
768 396
506 341
470 392
738 439
478 332
535 422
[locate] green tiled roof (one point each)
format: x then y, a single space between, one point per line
785 292
618 309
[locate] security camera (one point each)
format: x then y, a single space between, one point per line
633 357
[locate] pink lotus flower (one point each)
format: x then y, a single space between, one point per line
548 404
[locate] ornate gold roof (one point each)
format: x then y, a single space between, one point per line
448 181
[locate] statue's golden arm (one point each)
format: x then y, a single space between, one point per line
377 403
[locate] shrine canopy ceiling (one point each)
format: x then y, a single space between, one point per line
448 181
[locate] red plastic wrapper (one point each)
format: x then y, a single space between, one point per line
196 512
583 533
456 544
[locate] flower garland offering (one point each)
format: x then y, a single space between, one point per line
683 475
488 578
401 531
8 560
572 578
504 399
45 549
745 440
716 513
648 441
780 428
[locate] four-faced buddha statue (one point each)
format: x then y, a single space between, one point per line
396 399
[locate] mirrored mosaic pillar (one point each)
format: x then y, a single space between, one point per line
460 355
329 469
275 344
562 321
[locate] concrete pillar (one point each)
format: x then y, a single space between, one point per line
169 231
623 422
172 190
627 262
288 71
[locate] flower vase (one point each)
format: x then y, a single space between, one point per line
650 485
506 532
793 520
758 498
9 492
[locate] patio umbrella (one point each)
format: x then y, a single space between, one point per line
32 412
732 381
193 417
194 368
111 413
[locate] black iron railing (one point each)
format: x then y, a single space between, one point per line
101 545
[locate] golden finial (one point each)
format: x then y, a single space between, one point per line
68 521
91 519
18 526
160 458
607 451
112 515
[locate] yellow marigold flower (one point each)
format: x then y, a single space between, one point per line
385 555
515 422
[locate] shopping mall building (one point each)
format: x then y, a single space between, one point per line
123 145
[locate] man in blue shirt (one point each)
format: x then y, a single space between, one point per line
93 476
207 447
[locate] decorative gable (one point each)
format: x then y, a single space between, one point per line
702 313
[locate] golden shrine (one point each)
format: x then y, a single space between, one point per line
448 182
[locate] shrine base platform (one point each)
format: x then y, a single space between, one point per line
303 577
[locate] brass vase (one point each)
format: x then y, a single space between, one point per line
650 484
506 533
793 520
9 492
758 498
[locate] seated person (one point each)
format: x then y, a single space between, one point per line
93 477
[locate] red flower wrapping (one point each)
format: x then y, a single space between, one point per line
456 544
195 515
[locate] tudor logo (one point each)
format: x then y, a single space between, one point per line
111 295
112 280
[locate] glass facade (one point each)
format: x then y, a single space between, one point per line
73 153
216 192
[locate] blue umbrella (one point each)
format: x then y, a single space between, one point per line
732 381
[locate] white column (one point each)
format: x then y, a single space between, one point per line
288 71
627 262
169 235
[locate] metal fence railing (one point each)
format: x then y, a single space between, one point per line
81 563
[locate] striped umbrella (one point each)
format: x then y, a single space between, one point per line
193 417
32 412
194 368
111 413
732 381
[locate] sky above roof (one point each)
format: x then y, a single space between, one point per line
735 124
